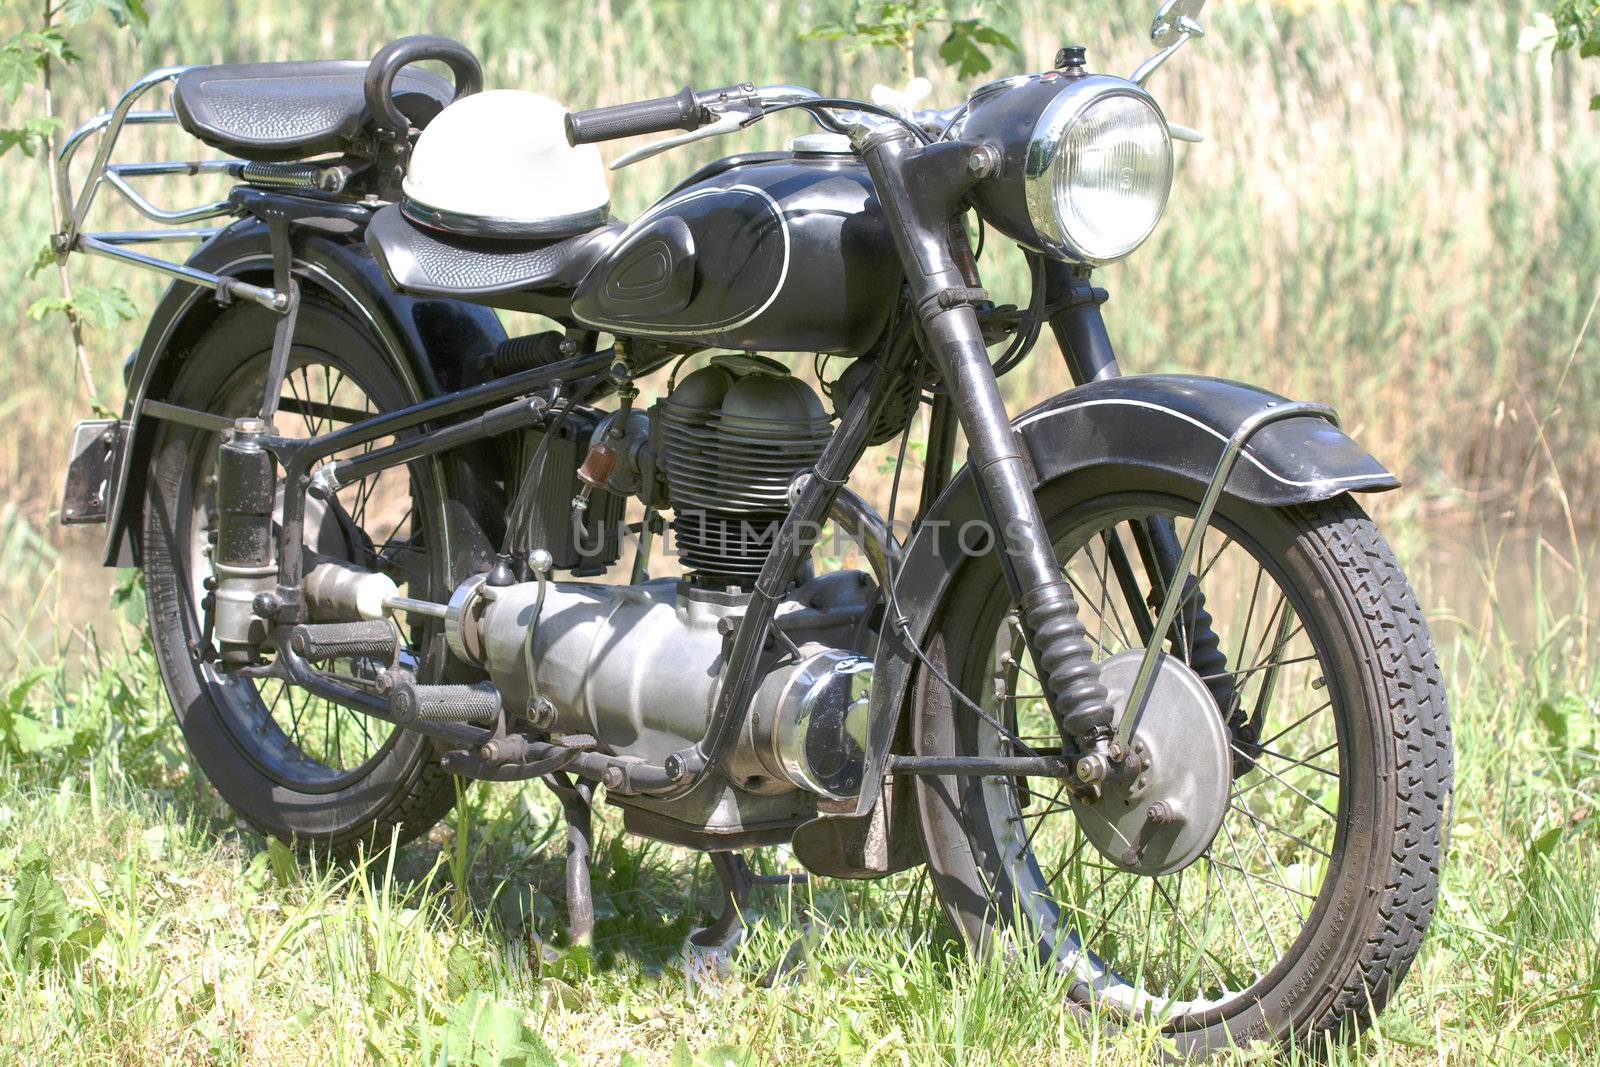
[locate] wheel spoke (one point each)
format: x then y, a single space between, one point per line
1296 790
1307 717
1172 942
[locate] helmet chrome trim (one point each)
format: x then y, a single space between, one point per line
460 224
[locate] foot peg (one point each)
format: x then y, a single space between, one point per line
316 642
444 703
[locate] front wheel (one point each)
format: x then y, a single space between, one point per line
1268 868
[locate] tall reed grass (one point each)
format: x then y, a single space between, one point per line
1395 209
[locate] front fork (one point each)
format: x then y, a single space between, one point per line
1086 348
919 188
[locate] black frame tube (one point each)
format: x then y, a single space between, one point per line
1079 327
297 456
982 766
517 415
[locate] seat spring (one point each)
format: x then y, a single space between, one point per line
527 352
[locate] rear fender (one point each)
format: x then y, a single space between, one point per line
439 345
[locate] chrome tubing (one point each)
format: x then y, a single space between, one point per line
1139 692
142 237
118 173
109 126
112 123
267 298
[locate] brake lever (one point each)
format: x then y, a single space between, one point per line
730 122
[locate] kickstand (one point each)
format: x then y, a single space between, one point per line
709 950
576 797
736 878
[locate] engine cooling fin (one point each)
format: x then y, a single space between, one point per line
734 435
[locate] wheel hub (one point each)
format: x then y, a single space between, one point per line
1162 805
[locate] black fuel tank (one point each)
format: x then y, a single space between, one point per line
788 254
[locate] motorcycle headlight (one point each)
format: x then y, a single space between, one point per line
1086 163
1099 169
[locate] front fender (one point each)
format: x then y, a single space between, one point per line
438 342
1176 425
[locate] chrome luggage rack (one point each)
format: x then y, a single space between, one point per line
178 224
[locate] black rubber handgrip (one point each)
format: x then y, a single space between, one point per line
679 112
378 84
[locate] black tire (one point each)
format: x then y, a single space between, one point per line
1382 842
270 777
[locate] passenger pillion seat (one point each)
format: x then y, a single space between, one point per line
278 112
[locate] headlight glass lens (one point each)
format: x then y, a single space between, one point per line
1113 173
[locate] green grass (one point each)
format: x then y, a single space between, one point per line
139 924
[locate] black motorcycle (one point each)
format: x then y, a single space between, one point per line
1143 686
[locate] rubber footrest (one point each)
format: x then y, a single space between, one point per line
446 703
344 640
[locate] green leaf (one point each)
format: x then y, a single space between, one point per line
492 1033
14 138
30 136
39 925
18 67
104 306
282 861
1554 721
463 971
48 44
1541 846
1402 1031
44 257
122 12
12 703
47 305
964 47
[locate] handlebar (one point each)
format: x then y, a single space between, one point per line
681 111
378 84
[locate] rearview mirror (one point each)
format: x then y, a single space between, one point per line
1174 20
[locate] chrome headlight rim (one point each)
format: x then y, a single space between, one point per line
1045 158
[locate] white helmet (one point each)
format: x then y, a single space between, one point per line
497 164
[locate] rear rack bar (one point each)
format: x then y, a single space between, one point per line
113 244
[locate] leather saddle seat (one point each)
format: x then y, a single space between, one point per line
492 271
278 112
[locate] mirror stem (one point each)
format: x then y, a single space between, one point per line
1187 30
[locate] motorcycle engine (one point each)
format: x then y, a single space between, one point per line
638 667
732 437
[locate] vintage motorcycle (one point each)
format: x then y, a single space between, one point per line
1142 686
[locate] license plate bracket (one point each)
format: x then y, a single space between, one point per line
91 466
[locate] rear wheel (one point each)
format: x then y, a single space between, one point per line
290 763
1283 883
